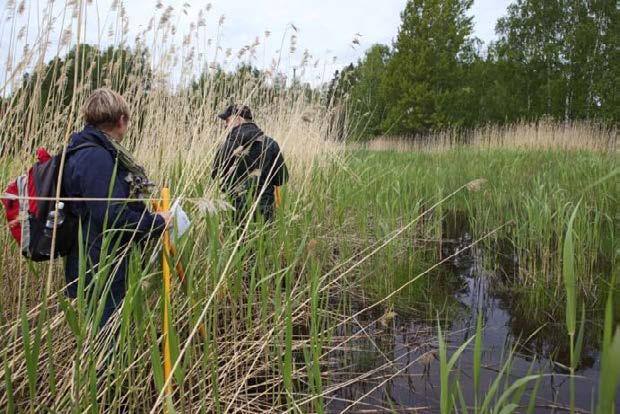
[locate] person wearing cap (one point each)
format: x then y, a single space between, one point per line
248 164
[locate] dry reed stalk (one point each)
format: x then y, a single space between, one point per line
545 134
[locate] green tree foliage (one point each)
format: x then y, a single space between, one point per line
218 83
45 95
423 78
113 67
553 58
367 97
222 88
341 85
559 58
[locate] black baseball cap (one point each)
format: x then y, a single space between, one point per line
242 110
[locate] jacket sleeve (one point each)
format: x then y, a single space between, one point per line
95 182
279 172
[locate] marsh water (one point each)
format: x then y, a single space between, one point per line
393 355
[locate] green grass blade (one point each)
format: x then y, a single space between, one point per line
156 366
444 372
31 363
459 393
531 406
610 360
580 336
568 271
8 384
518 384
508 409
477 354
493 389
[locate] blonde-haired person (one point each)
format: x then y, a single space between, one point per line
99 167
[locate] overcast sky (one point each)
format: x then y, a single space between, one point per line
325 27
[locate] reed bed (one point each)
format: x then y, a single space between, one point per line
541 135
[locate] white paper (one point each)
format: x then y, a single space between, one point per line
180 225
180 220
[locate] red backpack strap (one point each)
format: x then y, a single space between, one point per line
11 210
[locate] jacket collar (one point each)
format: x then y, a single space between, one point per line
244 133
92 135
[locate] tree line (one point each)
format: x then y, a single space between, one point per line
43 97
553 59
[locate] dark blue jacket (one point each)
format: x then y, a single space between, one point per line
88 173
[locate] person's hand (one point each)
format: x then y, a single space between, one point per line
167 216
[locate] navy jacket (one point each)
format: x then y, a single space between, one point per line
88 173
248 160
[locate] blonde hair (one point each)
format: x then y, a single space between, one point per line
104 106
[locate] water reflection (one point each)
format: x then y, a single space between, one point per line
392 361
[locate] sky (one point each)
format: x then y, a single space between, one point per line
325 27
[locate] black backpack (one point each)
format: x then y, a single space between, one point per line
27 215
